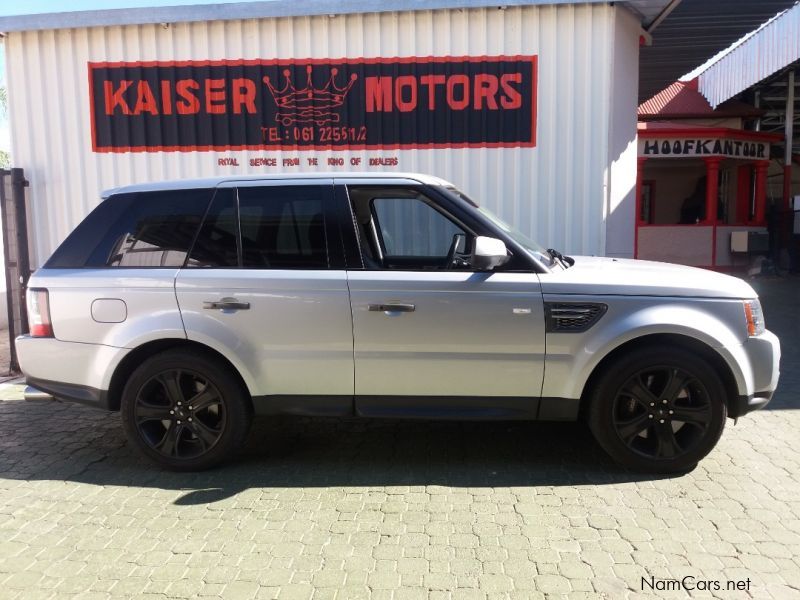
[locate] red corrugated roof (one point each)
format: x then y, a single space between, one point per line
681 100
668 125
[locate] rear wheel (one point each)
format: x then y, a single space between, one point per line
658 410
185 410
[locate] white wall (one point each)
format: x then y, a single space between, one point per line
622 148
579 178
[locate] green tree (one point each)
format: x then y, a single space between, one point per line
5 159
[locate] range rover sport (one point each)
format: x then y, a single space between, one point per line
192 306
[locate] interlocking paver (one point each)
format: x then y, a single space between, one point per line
320 509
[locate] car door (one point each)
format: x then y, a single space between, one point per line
259 285
429 339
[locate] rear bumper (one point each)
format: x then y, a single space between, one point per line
33 394
70 371
68 392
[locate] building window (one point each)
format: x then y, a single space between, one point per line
647 207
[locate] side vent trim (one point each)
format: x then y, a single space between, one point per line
572 317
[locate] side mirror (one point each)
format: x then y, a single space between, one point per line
488 253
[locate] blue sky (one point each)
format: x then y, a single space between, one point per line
8 7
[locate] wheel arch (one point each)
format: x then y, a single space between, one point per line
662 340
135 357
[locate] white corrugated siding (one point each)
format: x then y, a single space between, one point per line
768 50
555 192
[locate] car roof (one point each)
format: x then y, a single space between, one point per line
210 182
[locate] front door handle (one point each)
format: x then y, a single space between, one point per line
392 307
226 304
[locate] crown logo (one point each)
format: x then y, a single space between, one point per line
309 104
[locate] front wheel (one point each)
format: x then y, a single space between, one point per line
185 411
658 410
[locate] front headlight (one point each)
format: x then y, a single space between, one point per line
755 317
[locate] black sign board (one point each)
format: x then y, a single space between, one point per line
347 104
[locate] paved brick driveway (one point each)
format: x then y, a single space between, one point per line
324 509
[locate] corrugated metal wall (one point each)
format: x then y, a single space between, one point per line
555 192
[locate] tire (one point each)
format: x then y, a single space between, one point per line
659 410
185 410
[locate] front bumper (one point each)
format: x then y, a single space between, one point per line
763 354
745 404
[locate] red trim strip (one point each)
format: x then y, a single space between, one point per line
311 61
120 149
535 95
91 110
696 225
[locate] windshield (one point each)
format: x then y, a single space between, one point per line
534 249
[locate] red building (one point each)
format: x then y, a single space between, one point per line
702 175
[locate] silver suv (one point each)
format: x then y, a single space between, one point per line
191 306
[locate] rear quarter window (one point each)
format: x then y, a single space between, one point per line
142 229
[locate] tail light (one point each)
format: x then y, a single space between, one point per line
39 313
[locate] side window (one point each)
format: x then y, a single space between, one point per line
145 229
411 227
283 227
400 228
216 243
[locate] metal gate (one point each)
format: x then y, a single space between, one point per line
14 212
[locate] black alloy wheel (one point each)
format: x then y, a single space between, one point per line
180 414
658 409
662 412
186 410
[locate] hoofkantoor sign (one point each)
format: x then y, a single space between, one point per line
430 102
686 147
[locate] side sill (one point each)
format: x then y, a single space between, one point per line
559 409
303 406
455 408
70 392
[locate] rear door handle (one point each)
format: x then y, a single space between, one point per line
226 304
392 307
